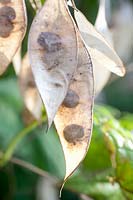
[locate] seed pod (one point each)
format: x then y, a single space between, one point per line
53 53
12 30
100 50
74 123
28 88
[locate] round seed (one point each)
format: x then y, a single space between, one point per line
71 100
7 14
73 133
51 42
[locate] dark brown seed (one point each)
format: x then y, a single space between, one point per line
58 85
71 100
73 133
51 42
5 27
7 14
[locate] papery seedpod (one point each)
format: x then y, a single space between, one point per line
99 49
53 53
122 30
28 89
101 73
12 29
101 23
73 120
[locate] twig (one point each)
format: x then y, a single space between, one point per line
32 168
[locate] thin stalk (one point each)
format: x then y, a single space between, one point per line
16 140
33 168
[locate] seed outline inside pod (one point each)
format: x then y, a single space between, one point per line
73 133
71 100
51 42
7 15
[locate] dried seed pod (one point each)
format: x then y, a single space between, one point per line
100 50
12 30
53 53
28 88
101 74
74 123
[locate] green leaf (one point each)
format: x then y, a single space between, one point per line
127 121
43 150
95 189
10 110
37 148
97 159
92 8
122 157
9 93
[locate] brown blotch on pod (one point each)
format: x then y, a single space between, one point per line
7 14
73 133
51 42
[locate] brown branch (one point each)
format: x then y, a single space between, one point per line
32 168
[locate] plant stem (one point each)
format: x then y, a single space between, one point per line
16 140
33 168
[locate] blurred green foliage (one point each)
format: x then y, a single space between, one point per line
106 172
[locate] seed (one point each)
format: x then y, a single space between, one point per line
7 14
71 100
58 85
51 42
5 27
73 133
